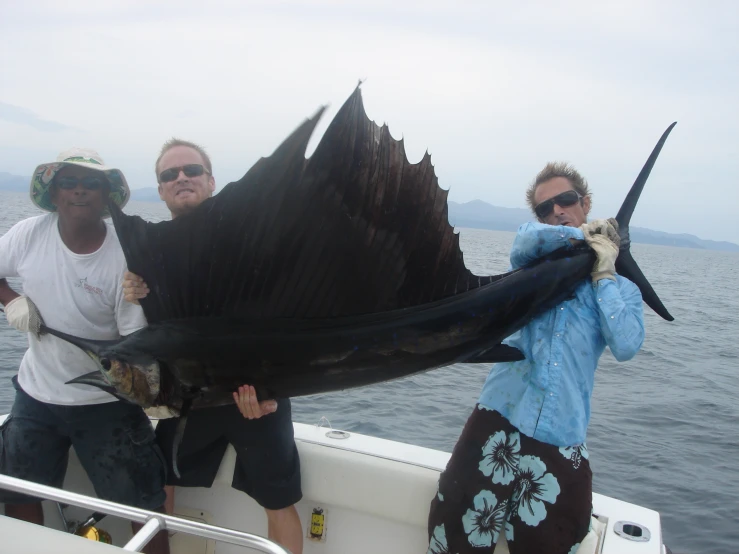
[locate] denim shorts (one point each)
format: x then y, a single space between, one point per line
114 442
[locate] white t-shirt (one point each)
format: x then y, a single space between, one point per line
79 294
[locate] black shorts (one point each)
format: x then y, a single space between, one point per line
114 442
267 463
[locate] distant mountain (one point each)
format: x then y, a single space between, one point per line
481 215
639 234
475 214
14 182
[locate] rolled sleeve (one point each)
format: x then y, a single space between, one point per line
535 240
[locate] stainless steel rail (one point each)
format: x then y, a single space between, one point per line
153 521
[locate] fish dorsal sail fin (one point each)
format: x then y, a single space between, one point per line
354 229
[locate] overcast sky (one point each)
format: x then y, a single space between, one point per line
493 90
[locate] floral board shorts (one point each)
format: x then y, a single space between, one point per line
500 480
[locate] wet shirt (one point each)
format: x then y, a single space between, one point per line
547 395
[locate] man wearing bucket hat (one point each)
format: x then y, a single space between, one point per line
71 264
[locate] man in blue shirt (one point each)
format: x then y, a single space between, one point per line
521 465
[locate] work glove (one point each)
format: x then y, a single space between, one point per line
23 315
602 236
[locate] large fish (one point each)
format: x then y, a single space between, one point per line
308 276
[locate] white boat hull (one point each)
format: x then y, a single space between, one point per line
374 496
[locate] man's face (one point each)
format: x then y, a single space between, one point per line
183 193
572 215
80 194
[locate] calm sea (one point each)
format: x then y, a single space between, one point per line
665 425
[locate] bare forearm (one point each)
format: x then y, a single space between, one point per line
6 293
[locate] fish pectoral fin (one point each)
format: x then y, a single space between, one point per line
496 354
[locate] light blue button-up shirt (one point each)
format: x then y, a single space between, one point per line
547 395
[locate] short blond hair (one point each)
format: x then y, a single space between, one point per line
553 170
173 142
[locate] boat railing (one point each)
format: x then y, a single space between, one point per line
153 522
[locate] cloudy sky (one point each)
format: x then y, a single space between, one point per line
493 90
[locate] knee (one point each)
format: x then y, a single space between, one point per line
276 517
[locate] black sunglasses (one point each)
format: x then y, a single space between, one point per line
564 199
68 182
190 170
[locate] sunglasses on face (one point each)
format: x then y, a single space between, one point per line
190 170
68 182
564 199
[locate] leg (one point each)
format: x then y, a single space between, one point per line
33 447
159 544
553 499
115 444
268 470
33 513
469 511
284 528
169 503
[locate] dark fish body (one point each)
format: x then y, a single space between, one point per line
288 358
310 276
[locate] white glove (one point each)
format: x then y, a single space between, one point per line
602 236
23 315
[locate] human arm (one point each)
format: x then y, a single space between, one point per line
535 240
21 313
7 294
621 316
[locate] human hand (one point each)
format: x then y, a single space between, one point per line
246 401
602 236
134 287
22 314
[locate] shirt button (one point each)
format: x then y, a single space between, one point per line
612 317
551 394
556 335
600 300
562 308
555 363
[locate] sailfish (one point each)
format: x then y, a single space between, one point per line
310 275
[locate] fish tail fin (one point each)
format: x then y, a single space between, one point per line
625 264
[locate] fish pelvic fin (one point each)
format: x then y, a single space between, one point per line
179 433
497 354
625 263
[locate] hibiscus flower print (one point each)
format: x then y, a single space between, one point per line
575 454
438 542
482 524
533 487
500 457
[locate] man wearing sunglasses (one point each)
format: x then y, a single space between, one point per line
267 463
71 264
521 466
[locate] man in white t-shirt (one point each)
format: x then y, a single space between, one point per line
71 265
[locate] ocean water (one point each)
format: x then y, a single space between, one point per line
665 425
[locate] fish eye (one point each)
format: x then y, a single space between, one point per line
105 362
